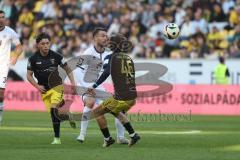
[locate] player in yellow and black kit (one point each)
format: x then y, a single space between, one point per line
43 64
121 68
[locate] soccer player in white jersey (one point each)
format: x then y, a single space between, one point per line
7 37
97 50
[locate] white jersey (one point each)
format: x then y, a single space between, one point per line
7 37
87 73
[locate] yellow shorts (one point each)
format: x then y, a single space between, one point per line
117 106
53 97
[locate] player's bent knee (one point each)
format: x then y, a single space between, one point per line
90 101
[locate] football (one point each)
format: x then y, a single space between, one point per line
171 31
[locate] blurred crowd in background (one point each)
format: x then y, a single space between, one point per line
209 28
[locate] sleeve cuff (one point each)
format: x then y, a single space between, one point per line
95 85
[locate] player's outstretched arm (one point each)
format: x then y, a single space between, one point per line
103 76
70 76
16 53
100 80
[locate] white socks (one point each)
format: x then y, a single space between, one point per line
85 119
1 112
120 129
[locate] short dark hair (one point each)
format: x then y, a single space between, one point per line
43 36
118 42
98 29
1 11
221 59
117 38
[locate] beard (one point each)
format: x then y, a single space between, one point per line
1 27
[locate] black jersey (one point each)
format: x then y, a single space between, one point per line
121 68
123 77
45 67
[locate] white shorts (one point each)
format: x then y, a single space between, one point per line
3 75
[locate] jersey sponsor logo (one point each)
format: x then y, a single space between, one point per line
38 62
50 69
93 69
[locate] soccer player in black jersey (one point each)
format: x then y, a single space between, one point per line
44 64
121 68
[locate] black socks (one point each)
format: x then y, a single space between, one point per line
55 122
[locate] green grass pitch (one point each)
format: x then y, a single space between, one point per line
27 136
